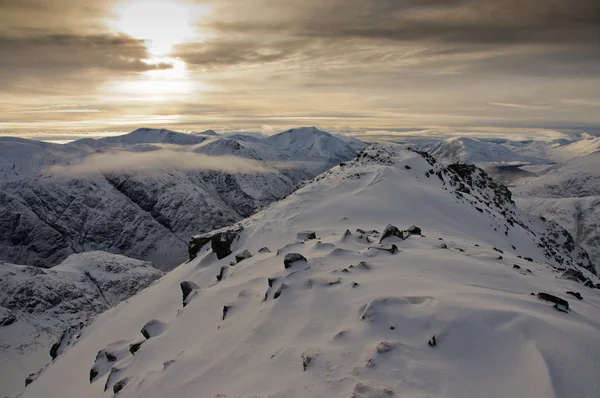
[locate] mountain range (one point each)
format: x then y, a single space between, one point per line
145 193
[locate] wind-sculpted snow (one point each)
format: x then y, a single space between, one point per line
463 307
145 193
43 304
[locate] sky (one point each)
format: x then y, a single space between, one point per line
383 67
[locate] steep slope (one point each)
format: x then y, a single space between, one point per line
353 315
138 194
37 306
569 194
471 150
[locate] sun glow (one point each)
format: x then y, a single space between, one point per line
161 23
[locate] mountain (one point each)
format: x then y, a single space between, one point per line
568 193
557 150
471 150
145 193
38 305
316 296
317 149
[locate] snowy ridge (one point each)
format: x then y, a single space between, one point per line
146 214
444 308
37 306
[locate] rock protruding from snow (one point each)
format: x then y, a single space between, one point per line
187 288
306 235
243 256
291 258
393 231
153 328
220 242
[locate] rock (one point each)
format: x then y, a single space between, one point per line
93 374
306 235
221 274
308 357
7 317
589 283
242 256
119 385
221 243
500 258
573 275
389 248
516 266
528 259
153 328
443 246
264 250
291 258
196 244
135 347
225 311
432 342
553 299
498 250
32 377
390 231
187 287
279 290
407 167
575 294
413 230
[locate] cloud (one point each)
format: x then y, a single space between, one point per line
155 160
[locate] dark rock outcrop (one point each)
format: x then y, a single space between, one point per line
306 235
291 258
220 242
558 302
187 287
242 256
575 294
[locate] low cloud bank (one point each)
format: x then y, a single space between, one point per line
151 161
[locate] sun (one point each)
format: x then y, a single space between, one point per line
161 23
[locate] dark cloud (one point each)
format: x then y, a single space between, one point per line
52 57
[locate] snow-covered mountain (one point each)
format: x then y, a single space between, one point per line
557 150
316 297
568 193
471 150
40 307
145 193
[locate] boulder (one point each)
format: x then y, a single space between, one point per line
133 348
390 231
220 242
388 248
119 385
413 230
242 256
516 266
291 258
558 302
573 275
264 250
196 244
306 235
187 287
575 294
